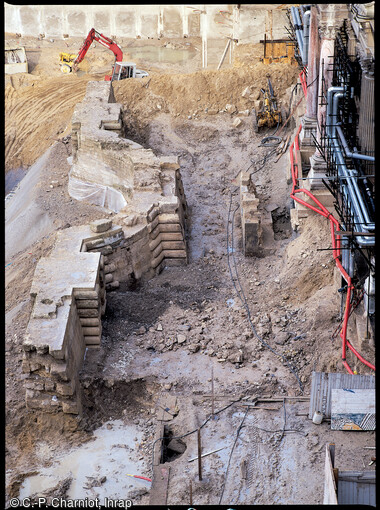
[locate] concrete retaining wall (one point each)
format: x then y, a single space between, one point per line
213 21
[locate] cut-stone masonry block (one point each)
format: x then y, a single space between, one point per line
252 236
71 408
168 218
245 178
87 303
169 205
65 389
88 312
169 162
153 213
109 268
89 322
92 340
165 236
100 225
108 278
113 285
87 294
92 331
166 228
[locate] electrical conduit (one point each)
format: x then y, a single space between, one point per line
336 245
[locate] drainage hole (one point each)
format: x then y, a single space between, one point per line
171 448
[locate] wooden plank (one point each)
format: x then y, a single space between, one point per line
160 484
157 443
353 409
330 494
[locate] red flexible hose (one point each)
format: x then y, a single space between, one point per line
335 239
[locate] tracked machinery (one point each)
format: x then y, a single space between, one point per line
269 115
69 62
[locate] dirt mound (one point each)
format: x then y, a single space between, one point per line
37 112
185 94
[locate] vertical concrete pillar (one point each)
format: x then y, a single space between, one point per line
204 26
160 21
309 121
185 21
318 165
330 19
138 23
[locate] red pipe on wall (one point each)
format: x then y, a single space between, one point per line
335 238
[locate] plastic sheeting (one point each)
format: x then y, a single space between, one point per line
97 194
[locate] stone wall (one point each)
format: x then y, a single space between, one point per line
69 288
211 21
69 295
250 217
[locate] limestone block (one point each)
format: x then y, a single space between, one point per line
109 268
173 245
108 277
175 254
113 285
153 225
169 205
92 340
157 250
245 178
89 322
249 201
156 261
49 385
71 407
92 331
237 122
165 228
168 218
169 162
101 225
44 403
59 370
36 385
87 303
252 236
65 389
165 236
153 213
88 312
80 294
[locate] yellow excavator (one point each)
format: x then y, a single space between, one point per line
269 115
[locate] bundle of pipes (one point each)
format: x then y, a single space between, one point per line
349 184
302 30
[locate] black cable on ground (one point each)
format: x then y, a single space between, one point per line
232 449
243 299
267 141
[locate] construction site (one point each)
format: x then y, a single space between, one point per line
189 255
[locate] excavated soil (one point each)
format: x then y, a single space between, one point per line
170 334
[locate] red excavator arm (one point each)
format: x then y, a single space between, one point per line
93 35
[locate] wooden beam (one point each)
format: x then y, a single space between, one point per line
160 484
